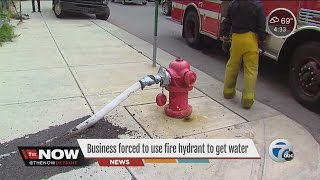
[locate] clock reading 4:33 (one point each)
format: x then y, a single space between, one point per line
281 22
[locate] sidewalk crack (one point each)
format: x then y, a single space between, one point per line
138 122
222 105
43 100
124 42
132 176
69 68
264 148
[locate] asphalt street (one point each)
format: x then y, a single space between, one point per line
272 86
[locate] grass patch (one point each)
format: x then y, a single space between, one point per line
6 33
7 30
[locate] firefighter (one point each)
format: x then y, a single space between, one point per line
245 21
33 6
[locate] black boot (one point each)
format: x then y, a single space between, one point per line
33 6
38 2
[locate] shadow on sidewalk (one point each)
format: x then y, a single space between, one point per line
76 16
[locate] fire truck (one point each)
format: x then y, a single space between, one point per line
299 51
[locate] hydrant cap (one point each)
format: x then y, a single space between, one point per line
161 99
190 78
179 59
179 65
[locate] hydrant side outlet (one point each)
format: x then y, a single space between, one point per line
182 81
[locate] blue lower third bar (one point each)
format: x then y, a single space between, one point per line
193 160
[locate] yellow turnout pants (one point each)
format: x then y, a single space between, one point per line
244 47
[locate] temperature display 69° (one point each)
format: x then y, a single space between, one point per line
281 22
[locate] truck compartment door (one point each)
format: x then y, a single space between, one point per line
210 16
177 11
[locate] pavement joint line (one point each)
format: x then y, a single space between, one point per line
86 65
223 105
255 99
126 108
45 100
263 150
36 69
138 122
180 137
92 111
130 172
147 103
130 45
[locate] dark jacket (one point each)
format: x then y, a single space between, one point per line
244 16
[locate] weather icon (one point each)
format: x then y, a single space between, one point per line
274 19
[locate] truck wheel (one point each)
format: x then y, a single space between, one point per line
166 9
104 16
57 9
305 75
191 30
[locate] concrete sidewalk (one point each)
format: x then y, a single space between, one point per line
59 70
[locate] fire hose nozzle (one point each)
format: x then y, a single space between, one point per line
163 77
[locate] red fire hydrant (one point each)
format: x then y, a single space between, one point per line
182 81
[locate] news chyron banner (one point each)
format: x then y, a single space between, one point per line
137 152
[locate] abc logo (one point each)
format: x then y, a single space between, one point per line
281 150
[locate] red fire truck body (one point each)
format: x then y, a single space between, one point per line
301 50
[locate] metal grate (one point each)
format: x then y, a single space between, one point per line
309 17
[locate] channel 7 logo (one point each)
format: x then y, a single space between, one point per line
52 156
281 150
